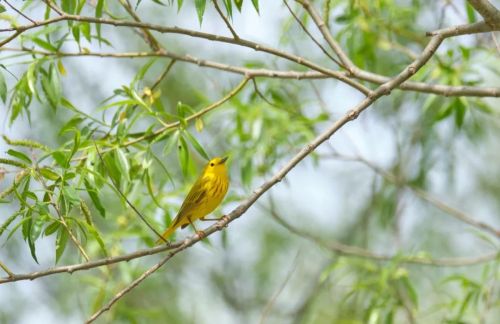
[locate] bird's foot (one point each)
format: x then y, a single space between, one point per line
201 235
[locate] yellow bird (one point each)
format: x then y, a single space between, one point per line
205 195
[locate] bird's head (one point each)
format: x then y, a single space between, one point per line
216 166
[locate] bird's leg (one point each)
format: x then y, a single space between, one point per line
200 234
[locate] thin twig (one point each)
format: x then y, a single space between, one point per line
454 212
445 90
384 89
165 128
271 302
54 7
126 199
19 12
145 33
304 28
346 61
4 267
354 251
53 203
226 21
88 265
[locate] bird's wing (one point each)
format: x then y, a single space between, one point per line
194 198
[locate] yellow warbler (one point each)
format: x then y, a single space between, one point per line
205 195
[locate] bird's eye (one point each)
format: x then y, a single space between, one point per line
211 164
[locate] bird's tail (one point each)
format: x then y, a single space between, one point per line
166 234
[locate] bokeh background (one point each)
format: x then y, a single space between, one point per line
257 270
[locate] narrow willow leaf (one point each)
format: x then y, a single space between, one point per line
71 195
229 7
149 185
94 196
19 155
183 155
85 29
197 146
31 77
61 240
238 4
98 14
48 173
255 5
52 228
200 9
123 163
3 88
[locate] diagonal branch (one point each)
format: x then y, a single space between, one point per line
328 36
19 12
384 89
224 18
454 212
488 11
145 33
304 28
354 251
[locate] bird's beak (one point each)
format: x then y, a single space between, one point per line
224 159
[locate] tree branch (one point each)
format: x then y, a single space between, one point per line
354 251
226 21
489 12
384 89
454 212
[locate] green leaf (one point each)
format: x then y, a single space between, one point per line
200 8
98 14
238 3
229 7
43 44
60 158
149 185
94 196
47 173
61 240
460 106
123 163
183 155
143 70
76 33
179 5
51 86
98 238
471 17
19 155
197 146
85 29
255 5
52 228
2 8
71 194
172 141
31 77
3 88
